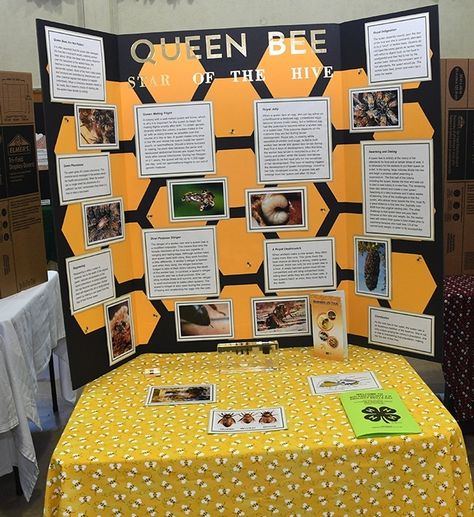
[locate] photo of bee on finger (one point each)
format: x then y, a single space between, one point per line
275 209
119 327
204 320
376 110
280 316
103 222
96 126
372 267
197 200
245 420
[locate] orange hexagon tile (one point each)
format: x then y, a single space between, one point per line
233 106
317 211
346 184
239 167
241 296
357 309
127 255
278 71
73 229
344 229
91 319
125 180
338 91
410 86
123 95
239 252
66 142
171 80
158 215
415 125
412 283
145 317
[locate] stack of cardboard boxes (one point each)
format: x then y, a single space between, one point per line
458 164
22 248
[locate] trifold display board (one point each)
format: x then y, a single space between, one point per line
205 183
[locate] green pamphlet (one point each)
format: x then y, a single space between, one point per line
377 413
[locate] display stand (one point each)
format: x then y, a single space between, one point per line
205 183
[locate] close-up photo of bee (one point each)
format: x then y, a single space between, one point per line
373 110
103 222
97 127
277 315
120 329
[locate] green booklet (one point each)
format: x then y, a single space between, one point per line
377 413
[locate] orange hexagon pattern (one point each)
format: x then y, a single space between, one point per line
346 184
238 251
121 94
343 230
170 80
239 166
125 180
413 284
232 106
146 314
279 70
241 296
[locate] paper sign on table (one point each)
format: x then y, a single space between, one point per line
245 420
378 413
340 382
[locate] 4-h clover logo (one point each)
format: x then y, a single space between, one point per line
384 413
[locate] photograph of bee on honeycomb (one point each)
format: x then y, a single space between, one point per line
103 222
372 267
96 127
375 110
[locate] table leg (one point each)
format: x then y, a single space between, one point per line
52 379
18 488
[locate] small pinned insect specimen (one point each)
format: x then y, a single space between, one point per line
267 417
246 418
227 419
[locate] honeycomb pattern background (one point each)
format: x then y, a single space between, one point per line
334 208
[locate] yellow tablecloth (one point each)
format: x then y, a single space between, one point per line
118 457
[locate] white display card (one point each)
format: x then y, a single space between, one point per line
181 262
402 330
90 280
76 66
293 140
339 382
398 188
398 50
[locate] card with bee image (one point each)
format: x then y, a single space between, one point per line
180 394
197 200
372 267
373 109
104 222
247 420
328 312
340 382
96 126
276 209
119 327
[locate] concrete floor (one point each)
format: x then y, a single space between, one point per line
12 505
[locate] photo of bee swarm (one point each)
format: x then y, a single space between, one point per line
373 256
375 109
104 222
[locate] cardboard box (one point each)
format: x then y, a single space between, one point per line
457 76
22 248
